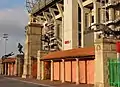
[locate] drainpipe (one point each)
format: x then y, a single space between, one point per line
82 22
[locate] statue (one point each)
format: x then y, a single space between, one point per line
20 48
8 55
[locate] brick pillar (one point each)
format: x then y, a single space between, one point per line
25 68
12 69
104 49
16 67
5 68
52 70
77 71
8 69
38 65
1 67
63 70
30 67
42 71
32 45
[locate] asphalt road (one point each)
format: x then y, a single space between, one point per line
4 82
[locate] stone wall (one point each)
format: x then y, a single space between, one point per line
104 49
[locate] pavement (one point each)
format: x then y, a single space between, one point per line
6 82
20 82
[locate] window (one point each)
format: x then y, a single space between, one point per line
92 19
79 27
86 20
79 39
59 31
99 15
79 14
107 15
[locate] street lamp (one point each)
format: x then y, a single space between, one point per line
5 36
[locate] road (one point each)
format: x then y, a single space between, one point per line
5 82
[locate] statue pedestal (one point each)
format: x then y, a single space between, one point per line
19 64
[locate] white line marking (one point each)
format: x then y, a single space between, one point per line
28 82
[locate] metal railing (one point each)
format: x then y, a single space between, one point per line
41 4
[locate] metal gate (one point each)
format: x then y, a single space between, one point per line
114 72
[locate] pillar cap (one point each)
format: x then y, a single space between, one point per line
105 40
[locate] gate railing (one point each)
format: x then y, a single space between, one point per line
114 72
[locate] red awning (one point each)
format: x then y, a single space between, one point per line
9 60
70 53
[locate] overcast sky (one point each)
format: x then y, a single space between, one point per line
13 18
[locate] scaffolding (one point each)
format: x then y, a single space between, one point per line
49 39
30 4
106 5
34 6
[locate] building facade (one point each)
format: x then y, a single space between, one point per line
75 66
9 66
79 15
57 25
12 66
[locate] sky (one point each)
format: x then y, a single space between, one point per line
13 19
